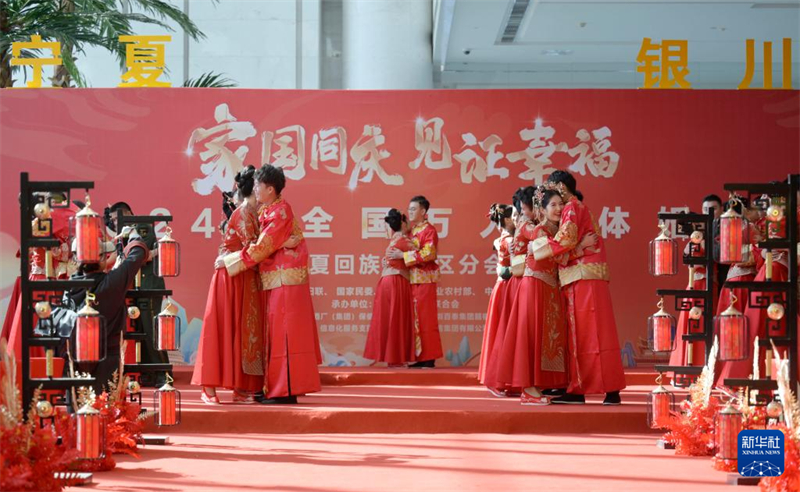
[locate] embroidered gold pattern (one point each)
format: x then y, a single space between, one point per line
284 276
554 335
567 235
584 271
424 276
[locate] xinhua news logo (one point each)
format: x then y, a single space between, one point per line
761 453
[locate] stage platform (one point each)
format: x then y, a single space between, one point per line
398 401
398 430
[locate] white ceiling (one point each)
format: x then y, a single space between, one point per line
601 39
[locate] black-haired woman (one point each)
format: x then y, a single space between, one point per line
499 301
595 364
535 345
492 375
227 357
391 331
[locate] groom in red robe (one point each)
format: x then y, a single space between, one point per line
424 273
292 343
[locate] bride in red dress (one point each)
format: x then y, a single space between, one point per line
534 347
594 361
499 301
230 354
490 376
226 359
391 331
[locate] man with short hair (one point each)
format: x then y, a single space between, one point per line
110 289
424 278
292 343
149 306
712 203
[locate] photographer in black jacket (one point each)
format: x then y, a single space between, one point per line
109 290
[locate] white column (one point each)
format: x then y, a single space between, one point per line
386 44
308 43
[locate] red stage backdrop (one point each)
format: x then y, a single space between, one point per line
350 156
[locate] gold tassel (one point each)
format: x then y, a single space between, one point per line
769 265
49 366
49 270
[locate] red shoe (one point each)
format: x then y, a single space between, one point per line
209 400
529 400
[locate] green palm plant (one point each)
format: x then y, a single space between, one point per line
78 24
210 79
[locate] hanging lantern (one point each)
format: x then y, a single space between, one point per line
696 312
731 328
169 256
168 328
660 329
45 324
660 406
774 409
733 236
88 227
663 254
44 409
775 311
727 427
90 433
89 330
42 211
775 210
134 387
134 312
776 218
167 404
43 309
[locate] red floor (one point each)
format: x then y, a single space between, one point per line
377 429
379 400
411 462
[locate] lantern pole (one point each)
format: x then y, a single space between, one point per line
686 299
144 299
785 292
35 290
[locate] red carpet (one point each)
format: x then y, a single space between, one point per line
380 429
445 376
411 462
379 400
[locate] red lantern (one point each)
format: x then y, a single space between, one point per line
731 328
776 218
733 236
167 405
660 328
168 328
90 433
89 334
88 227
169 256
727 427
660 406
663 254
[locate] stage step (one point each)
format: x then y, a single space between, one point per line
409 409
440 376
